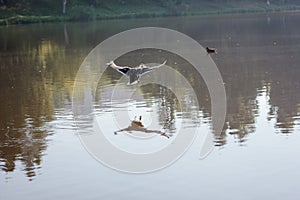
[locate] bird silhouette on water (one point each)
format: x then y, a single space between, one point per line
210 50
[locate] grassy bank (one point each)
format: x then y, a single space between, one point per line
137 9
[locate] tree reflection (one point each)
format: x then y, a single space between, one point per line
35 79
253 56
26 103
167 106
284 95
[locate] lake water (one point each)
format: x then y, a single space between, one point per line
255 157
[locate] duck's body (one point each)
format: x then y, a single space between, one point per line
134 73
211 50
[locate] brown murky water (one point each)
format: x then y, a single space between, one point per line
256 155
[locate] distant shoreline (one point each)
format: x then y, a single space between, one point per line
93 14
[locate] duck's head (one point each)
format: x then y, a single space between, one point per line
110 63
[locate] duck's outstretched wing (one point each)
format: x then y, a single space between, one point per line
146 69
122 70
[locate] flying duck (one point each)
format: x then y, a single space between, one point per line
134 73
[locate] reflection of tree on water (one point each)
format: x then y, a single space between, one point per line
167 109
33 80
243 85
284 92
26 103
167 105
241 108
256 56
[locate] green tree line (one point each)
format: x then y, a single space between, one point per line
41 7
28 11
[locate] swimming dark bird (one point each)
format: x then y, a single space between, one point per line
134 73
211 50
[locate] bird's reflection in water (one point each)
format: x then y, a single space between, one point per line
137 125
